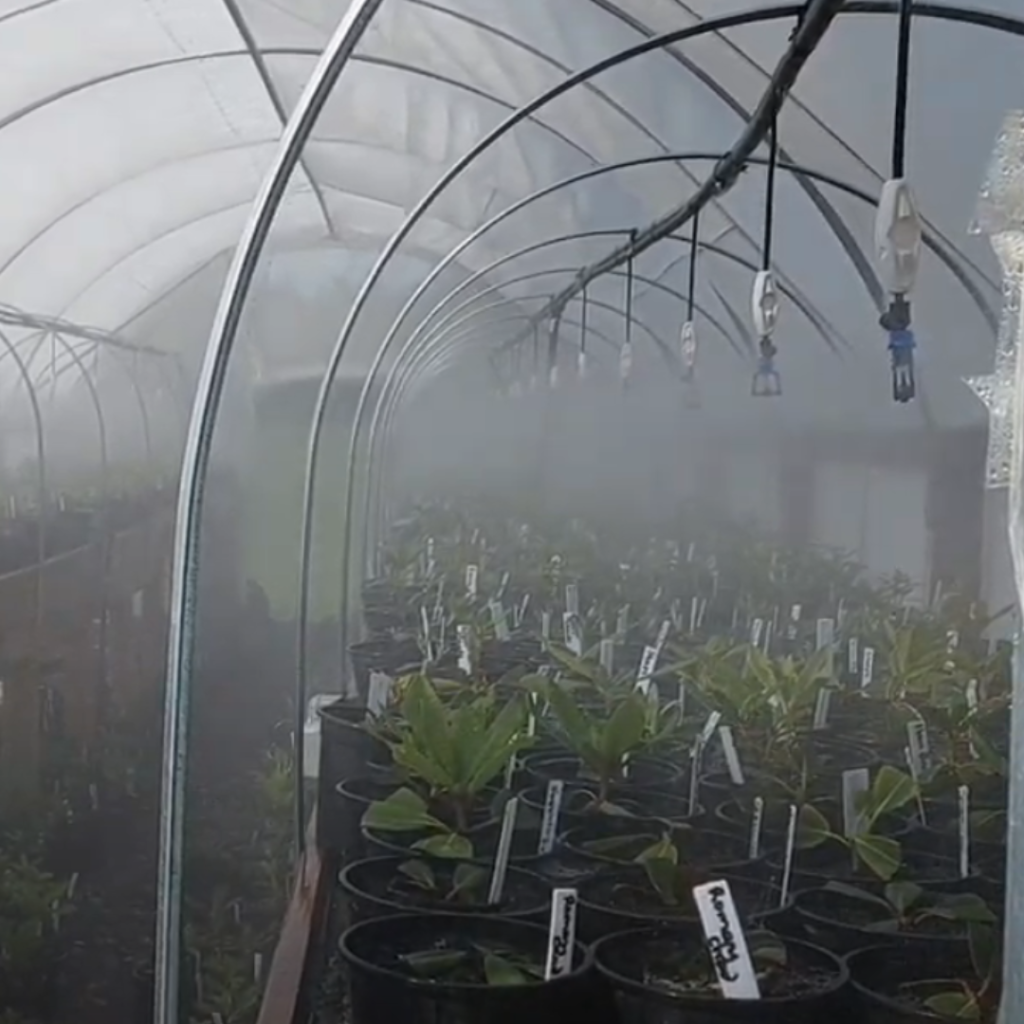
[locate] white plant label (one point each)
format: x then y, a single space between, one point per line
821 708
824 633
549 822
788 854
726 943
573 630
700 614
853 656
607 655
499 621
867 668
520 612
696 756
694 609
952 640
465 654
856 782
561 933
756 825
472 579
840 612
964 809
914 758
508 828
709 727
972 695
663 632
755 632
648 663
379 694
794 613
572 599
545 625
732 756
431 564
428 648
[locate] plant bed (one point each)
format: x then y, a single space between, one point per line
664 975
625 898
444 969
844 918
399 885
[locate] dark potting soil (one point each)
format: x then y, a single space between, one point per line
684 969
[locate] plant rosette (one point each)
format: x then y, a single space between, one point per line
666 972
420 969
844 918
398 885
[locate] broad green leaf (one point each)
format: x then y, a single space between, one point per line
420 873
854 892
434 963
495 746
465 879
985 955
955 1006
812 828
891 790
903 896
448 844
500 971
625 729
420 765
966 907
663 849
662 874
403 811
428 722
878 854
616 847
572 720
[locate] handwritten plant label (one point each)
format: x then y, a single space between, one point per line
726 943
549 822
648 663
732 756
867 668
573 630
856 782
561 933
472 579
379 693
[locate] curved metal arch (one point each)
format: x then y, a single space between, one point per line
317 187
41 475
349 32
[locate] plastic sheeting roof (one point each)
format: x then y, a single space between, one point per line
135 133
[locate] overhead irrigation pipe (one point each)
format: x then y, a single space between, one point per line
814 21
210 389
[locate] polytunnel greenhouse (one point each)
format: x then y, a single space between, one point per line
511 510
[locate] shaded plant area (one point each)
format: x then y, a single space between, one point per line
716 710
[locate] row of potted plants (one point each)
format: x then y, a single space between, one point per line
557 745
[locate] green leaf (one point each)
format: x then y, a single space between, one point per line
662 874
891 790
499 971
428 722
878 854
854 892
954 1006
625 729
419 872
968 907
572 720
985 956
903 895
433 963
451 844
616 847
663 849
494 747
465 879
812 828
402 811
420 765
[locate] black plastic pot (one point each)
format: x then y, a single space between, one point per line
877 975
370 892
484 838
644 772
600 916
824 916
382 990
346 748
625 960
579 803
